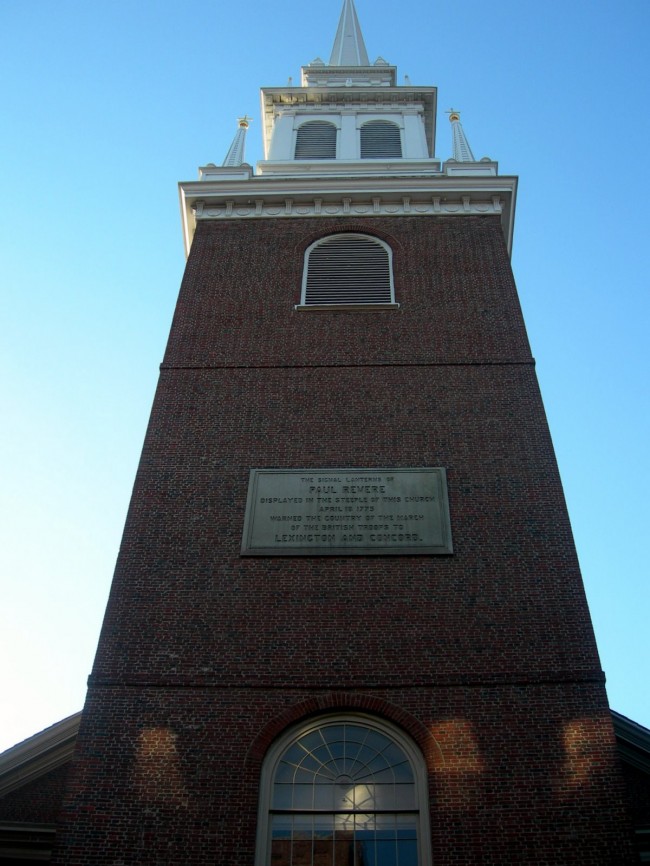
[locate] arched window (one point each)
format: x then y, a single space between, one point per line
344 791
380 139
348 269
316 139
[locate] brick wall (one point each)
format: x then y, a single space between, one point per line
637 793
486 656
39 801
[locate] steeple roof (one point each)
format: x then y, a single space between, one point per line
349 48
461 149
235 155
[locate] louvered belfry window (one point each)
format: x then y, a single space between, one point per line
380 139
316 139
348 269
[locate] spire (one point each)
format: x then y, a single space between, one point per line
235 155
349 48
462 152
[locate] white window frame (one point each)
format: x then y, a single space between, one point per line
303 305
277 749
302 120
396 120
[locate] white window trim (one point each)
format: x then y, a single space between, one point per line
301 120
398 121
413 753
392 305
344 308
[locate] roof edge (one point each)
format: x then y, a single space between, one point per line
39 754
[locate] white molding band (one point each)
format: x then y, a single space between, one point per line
345 308
436 206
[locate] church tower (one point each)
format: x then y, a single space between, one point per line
347 624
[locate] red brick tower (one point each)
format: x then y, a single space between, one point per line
347 624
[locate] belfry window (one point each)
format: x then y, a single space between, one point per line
348 270
347 791
316 139
380 139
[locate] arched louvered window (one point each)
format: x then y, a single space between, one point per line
316 139
348 269
345 791
380 139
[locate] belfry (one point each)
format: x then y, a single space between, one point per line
347 623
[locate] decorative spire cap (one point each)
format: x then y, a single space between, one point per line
461 149
349 48
235 155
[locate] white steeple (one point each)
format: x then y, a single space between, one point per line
235 155
462 152
348 140
349 48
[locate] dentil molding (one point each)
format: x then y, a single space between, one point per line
435 206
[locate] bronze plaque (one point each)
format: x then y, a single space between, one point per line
347 512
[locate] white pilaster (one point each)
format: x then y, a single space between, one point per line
281 146
348 148
415 143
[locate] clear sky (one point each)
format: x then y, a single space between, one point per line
107 104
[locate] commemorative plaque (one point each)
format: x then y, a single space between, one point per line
346 512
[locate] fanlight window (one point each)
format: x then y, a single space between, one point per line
344 793
316 139
348 269
380 139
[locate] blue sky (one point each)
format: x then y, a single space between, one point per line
107 105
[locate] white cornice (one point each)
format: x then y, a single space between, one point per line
342 168
378 75
633 741
38 755
316 197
